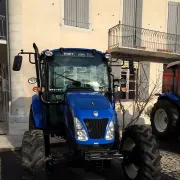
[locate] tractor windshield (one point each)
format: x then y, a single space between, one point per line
80 67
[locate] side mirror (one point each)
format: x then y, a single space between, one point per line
122 81
32 80
17 63
119 82
131 66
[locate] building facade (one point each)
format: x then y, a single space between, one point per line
146 31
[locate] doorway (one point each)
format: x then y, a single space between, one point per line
4 90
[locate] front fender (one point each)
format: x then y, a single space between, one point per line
171 97
38 112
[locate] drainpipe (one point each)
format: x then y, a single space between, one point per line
8 54
135 22
174 76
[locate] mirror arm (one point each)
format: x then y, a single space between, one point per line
22 52
30 59
112 82
117 64
29 53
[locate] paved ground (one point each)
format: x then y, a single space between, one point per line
170 160
10 168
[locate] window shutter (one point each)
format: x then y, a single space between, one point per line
128 12
76 13
172 17
139 13
129 20
70 12
83 14
172 25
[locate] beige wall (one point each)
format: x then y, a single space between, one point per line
42 23
155 15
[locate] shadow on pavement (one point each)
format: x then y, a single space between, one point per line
10 167
171 146
11 170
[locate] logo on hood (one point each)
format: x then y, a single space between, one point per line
95 113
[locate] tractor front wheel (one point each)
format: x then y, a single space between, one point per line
141 154
33 155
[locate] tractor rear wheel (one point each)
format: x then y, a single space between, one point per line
33 155
164 119
141 154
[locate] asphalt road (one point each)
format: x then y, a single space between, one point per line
10 168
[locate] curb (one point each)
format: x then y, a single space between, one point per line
2 150
53 145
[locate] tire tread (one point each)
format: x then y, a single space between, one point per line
33 152
150 151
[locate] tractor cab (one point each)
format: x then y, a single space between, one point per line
74 70
70 80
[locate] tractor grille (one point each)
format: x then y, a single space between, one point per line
96 127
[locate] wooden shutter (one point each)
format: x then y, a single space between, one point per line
70 12
83 14
76 13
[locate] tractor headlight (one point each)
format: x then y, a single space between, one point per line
80 132
110 130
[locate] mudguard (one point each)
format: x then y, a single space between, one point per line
171 97
38 112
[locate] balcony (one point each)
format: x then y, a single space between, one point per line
133 41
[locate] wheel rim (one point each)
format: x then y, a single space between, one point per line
131 159
161 120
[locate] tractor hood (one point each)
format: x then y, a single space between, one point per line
84 104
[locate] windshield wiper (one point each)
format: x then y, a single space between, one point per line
76 83
60 75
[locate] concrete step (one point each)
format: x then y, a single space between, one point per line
12 143
3 128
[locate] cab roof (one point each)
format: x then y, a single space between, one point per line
77 49
173 64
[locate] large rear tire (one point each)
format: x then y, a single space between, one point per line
141 154
33 155
164 119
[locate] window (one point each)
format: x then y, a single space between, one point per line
132 16
76 13
78 66
131 79
131 84
173 25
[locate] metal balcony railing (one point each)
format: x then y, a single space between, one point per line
133 37
2 27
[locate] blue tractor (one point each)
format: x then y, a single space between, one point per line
165 115
74 100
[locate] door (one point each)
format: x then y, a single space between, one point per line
4 93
